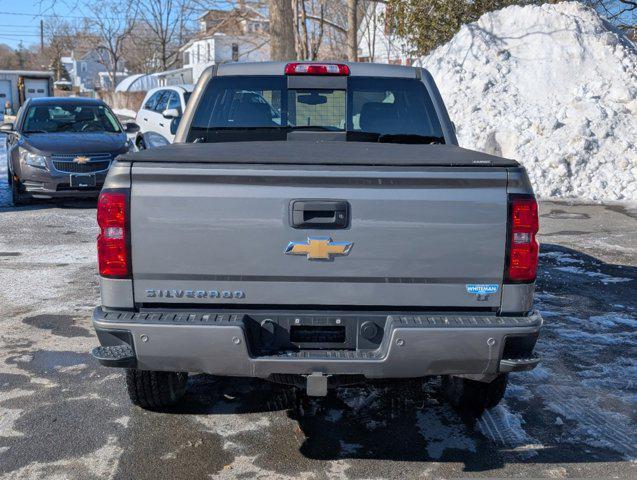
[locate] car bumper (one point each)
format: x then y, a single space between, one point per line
412 345
49 183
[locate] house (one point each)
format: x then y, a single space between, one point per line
85 69
237 35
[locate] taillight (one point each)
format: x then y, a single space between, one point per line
316 69
523 247
112 241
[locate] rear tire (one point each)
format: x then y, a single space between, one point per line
155 390
471 396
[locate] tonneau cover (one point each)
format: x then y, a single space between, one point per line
319 153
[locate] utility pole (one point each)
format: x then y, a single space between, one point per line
352 30
41 36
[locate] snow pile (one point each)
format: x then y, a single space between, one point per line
5 192
553 86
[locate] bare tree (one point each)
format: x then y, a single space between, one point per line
60 37
622 13
282 44
164 20
112 22
139 52
309 25
352 30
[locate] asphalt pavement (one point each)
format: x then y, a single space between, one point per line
64 416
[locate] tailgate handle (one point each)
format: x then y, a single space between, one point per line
319 214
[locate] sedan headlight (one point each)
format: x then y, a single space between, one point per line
32 159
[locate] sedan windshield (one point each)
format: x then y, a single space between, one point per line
74 118
380 109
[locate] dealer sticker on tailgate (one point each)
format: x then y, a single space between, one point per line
482 288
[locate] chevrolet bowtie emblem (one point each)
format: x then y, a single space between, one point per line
318 248
81 160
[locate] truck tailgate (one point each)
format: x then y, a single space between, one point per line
218 234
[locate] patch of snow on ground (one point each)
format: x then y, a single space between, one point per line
5 193
553 86
502 426
443 436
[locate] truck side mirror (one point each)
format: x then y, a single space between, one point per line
7 128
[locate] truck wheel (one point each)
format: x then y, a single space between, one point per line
471 396
155 390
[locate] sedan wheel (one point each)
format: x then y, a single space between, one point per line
16 197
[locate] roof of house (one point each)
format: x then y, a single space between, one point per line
27 73
245 11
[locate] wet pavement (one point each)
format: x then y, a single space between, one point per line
64 416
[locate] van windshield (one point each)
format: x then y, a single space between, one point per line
60 118
249 108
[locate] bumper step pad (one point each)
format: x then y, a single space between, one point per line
115 356
518 364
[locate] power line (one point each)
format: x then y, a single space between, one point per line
19 26
50 15
18 35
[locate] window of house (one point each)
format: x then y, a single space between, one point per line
208 57
235 52
186 58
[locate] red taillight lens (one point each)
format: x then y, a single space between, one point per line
112 248
523 247
316 69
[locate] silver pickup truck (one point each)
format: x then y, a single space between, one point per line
317 225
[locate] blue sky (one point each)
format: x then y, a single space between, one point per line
20 20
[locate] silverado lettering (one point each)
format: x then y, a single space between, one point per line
174 293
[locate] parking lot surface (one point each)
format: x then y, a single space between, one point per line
63 416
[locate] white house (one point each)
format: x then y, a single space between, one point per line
85 70
238 35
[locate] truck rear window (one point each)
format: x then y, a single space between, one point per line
246 108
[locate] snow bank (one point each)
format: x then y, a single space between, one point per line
5 192
553 86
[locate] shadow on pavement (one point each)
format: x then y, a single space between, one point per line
574 408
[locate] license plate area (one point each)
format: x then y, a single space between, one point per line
317 334
78 180
275 333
